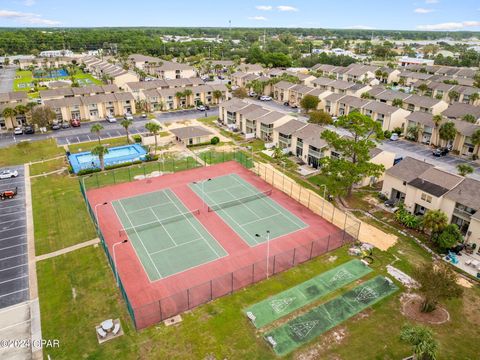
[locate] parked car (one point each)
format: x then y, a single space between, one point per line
110 118
220 77
29 129
201 108
286 103
394 137
144 115
265 98
56 125
18 131
252 94
7 174
294 107
390 203
206 107
128 116
440 152
235 87
65 125
75 123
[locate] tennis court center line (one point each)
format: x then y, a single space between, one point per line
198 232
228 215
163 227
244 205
139 239
176 246
264 218
149 207
266 202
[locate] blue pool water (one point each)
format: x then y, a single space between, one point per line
49 74
116 155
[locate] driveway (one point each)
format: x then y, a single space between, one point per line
423 152
14 286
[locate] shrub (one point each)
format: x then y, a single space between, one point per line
387 134
215 140
408 220
137 138
88 171
398 130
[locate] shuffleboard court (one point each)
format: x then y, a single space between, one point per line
269 310
166 236
322 318
245 209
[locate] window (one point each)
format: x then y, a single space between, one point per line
426 198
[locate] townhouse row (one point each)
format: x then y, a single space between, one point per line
113 73
422 187
160 68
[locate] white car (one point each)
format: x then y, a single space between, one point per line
7 174
394 137
18 131
128 116
110 118
265 98
252 94
201 108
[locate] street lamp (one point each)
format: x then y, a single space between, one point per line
203 190
267 237
115 261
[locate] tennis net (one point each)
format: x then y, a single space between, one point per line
159 222
239 201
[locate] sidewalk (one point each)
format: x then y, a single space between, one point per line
67 249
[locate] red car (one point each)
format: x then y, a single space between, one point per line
75 123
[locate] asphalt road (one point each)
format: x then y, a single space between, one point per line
14 286
6 79
81 134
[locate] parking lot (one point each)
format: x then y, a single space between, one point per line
14 287
422 152
107 133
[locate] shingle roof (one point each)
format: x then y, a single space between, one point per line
422 101
421 118
290 127
310 134
380 108
408 169
271 117
466 193
188 132
458 110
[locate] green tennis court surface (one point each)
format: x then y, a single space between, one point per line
279 305
167 238
245 209
308 326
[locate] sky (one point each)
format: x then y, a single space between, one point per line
357 14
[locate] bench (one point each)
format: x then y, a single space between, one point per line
116 328
101 332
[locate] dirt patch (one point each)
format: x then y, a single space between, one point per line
334 337
471 304
411 305
464 282
372 235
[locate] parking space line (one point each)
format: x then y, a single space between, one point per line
10 247
20 277
13 256
14 292
18 227
9 221
14 267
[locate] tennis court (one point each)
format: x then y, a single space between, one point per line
322 318
245 209
166 236
269 310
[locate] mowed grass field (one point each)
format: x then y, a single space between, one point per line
29 151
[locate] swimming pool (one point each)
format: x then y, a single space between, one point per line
45 74
116 155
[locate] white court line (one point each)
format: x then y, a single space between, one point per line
140 239
225 188
173 247
163 227
231 218
14 292
194 227
20 277
277 210
149 208
13 267
254 221
245 205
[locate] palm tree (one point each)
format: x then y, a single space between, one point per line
9 113
423 88
21 109
96 128
434 221
397 102
421 338
453 96
474 97
469 118
187 93
217 95
126 124
413 131
464 169
100 151
154 129
366 95
447 132
179 95
475 140
437 119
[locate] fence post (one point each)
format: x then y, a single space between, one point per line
129 175
188 298
333 214
211 290
160 308
232 283
113 174
291 188
144 171
96 177
294 251
253 273
308 203
311 251
328 242
274 261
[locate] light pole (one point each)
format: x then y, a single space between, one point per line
115 261
203 190
324 196
267 237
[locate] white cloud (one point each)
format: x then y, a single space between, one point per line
449 25
264 7
423 11
286 8
361 27
26 18
29 2
431 1
258 18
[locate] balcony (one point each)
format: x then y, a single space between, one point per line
462 213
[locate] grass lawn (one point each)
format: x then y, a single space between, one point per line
212 122
219 330
47 166
216 157
27 151
87 146
59 212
